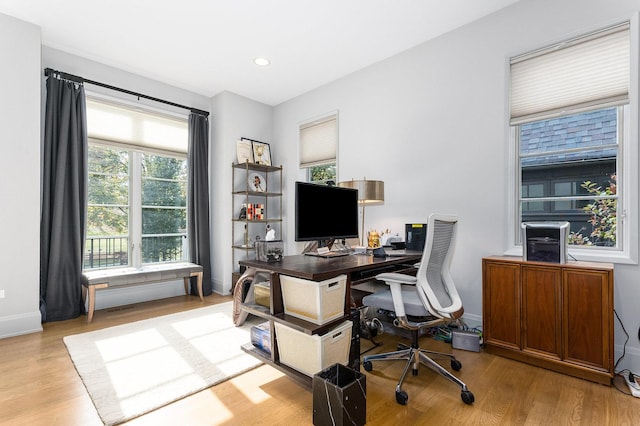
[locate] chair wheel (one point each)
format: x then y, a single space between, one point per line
402 397
367 365
456 365
467 397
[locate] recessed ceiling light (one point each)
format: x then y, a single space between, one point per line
261 62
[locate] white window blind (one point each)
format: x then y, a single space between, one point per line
572 76
134 128
318 142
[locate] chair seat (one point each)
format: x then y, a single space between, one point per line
412 304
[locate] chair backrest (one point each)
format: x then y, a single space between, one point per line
435 285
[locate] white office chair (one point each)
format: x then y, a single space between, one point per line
426 300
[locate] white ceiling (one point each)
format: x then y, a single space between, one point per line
208 46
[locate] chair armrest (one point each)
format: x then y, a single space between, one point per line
395 277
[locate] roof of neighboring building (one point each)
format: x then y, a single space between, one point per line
555 136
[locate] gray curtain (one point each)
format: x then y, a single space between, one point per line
198 199
62 223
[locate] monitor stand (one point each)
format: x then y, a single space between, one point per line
326 253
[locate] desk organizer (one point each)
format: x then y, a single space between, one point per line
269 251
310 353
318 302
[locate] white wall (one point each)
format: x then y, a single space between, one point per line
235 117
20 184
432 124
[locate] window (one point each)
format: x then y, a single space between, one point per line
318 146
568 169
570 125
137 169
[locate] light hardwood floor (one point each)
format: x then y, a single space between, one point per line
39 386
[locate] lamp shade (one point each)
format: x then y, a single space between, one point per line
369 191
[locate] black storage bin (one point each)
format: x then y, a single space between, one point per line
339 397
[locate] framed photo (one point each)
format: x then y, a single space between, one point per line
244 151
261 153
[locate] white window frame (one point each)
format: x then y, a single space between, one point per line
628 190
305 169
135 176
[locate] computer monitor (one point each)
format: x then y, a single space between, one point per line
324 213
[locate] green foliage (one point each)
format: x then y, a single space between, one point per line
108 193
164 200
603 216
322 173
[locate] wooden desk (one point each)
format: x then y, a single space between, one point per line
357 268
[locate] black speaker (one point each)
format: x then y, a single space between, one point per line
415 236
545 241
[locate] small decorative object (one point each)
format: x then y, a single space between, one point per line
243 212
244 151
257 183
374 239
246 236
255 211
261 153
271 234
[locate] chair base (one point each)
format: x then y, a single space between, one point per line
413 357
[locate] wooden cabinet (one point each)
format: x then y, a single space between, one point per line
556 316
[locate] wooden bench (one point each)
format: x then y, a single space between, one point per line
122 277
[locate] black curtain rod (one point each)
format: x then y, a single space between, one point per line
76 79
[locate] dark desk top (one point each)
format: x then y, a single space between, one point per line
319 268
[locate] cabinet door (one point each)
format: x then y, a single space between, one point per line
541 318
588 318
501 304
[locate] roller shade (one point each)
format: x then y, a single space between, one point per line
318 142
572 76
137 129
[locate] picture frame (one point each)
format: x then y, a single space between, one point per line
244 151
261 153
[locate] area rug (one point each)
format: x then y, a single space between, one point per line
134 368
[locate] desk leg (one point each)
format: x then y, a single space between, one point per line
198 276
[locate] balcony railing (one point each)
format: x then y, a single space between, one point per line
105 252
110 252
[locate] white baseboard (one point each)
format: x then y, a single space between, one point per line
631 360
472 321
16 325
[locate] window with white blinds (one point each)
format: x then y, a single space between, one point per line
134 128
319 141
571 128
572 76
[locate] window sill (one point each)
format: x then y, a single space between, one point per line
586 255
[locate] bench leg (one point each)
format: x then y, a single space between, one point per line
90 292
198 276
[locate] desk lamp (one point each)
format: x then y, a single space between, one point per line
370 192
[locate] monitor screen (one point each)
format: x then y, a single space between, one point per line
325 212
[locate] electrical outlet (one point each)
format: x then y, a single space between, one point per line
1 294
